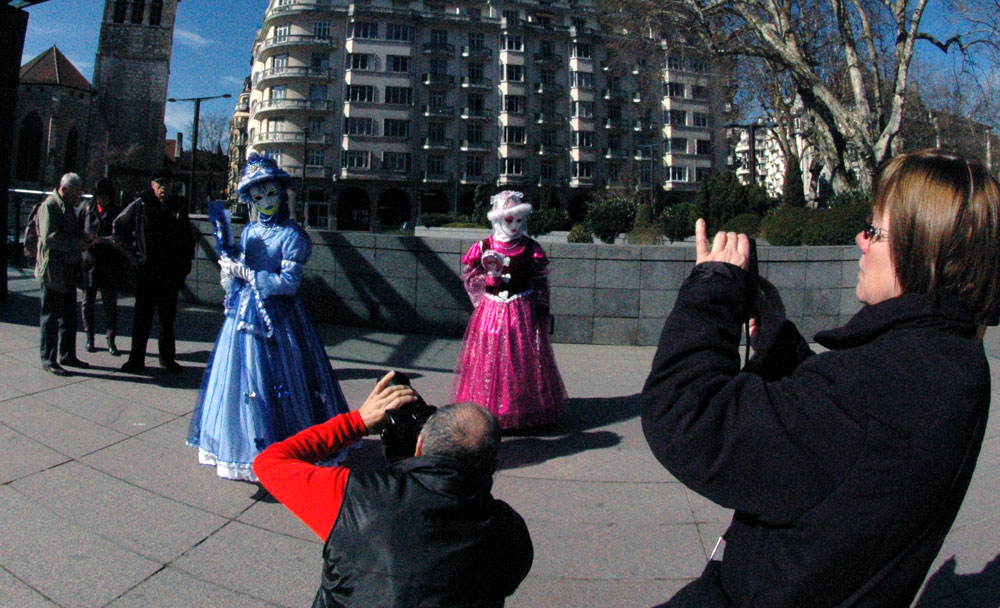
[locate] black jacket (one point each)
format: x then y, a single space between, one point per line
423 532
103 263
161 238
846 469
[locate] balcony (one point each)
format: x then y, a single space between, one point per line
581 182
580 32
442 144
644 125
615 154
298 7
291 137
549 118
549 149
476 84
482 53
438 111
439 49
546 89
438 81
298 40
516 180
476 114
435 178
282 105
548 59
481 178
274 75
614 95
476 146
312 172
616 124
553 182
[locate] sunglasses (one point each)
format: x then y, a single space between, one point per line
873 233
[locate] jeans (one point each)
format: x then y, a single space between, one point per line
58 324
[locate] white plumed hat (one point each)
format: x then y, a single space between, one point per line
505 203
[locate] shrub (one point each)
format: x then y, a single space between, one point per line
793 192
746 223
434 220
610 217
836 226
645 230
579 234
849 197
544 221
677 222
783 226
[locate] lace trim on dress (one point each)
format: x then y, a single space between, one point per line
502 297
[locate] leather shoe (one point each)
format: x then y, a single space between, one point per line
90 345
133 367
55 368
112 349
74 362
171 366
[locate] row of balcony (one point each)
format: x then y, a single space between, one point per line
272 76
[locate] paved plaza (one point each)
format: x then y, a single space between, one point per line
102 504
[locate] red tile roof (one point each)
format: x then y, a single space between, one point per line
52 67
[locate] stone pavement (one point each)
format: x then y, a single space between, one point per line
102 504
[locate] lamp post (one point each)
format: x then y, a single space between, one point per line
751 134
194 136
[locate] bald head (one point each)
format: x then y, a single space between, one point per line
466 431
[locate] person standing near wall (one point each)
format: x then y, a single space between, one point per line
103 264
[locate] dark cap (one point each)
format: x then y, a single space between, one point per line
103 187
163 175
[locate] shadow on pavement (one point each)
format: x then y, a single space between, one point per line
977 590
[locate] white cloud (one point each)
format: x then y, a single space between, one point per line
177 119
234 81
192 39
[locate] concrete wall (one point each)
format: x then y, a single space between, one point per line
601 294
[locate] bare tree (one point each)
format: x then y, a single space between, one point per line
847 60
213 132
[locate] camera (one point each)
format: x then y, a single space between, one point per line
402 425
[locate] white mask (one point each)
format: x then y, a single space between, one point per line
266 197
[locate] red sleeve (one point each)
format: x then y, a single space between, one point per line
311 492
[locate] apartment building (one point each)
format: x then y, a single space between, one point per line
385 109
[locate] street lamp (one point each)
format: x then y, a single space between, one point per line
194 136
752 131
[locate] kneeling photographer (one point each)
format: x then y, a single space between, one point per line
425 531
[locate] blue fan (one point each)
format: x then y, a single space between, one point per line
222 228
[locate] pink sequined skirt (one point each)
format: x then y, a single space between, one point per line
506 365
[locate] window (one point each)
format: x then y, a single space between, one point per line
474 13
476 40
276 124
317 92
547 169
281 32
364 29
474 102
579 24
513 72
473 166
513 104
439 38
474 134
675 145
393 127
279 61
476 73
582 50
548 48
396 161
320 61
439 66
677 174
699 119
359 125
703 146
699 92
583 80
360 61
357 159
398 31
548 137
121 9
583 109
316 126
674 63
583 139
513 135
435 131
675 117
646 173
321 29
437 100
155 12
511 15
397 63
278 92
512 43
675 89
138 8
314 158
435 165
547 77
583 169
402 96
512 166
361 92
698 65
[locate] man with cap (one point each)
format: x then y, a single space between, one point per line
156 228
103 264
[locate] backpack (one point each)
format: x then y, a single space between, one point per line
31 234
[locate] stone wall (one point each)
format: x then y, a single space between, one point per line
601 294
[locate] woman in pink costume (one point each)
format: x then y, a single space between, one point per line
506 362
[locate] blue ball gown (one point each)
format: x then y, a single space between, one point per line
268 376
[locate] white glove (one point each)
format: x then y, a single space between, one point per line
238 270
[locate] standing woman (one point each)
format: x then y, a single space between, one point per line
268 376
506 363
103 264
846 468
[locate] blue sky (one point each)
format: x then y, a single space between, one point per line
211 53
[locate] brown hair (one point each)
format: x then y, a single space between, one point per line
944 214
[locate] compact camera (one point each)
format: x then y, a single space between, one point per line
402 425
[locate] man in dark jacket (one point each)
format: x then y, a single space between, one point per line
57 268
156 228
423 532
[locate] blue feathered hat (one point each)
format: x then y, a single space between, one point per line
260 169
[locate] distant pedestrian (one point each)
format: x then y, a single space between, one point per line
156 228
103 264
60 243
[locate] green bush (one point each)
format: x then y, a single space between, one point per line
854 197
434 220
544 221
677 221
783 226
746 223
610 217
837 225
579 234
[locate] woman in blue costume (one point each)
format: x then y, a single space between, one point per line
268 376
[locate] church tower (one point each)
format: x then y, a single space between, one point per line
130 76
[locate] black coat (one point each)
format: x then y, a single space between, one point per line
161 238
846 468
103 262
423 532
